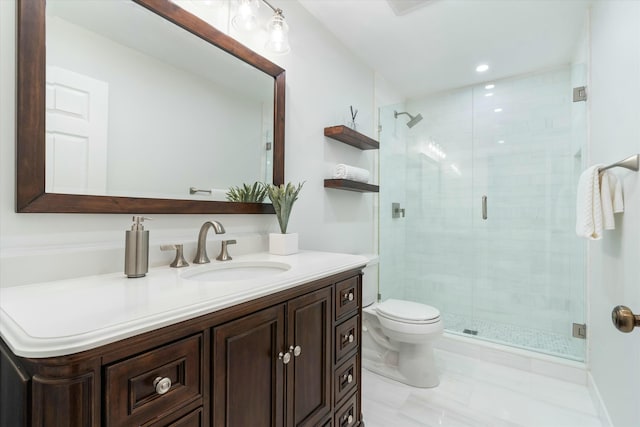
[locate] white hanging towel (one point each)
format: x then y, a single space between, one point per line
589 205
611 199
618 201
608 221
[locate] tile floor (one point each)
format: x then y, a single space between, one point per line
474 393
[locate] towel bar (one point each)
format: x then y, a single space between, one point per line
631 163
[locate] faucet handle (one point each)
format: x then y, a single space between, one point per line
224 255
179 261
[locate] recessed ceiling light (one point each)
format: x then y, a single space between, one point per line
490 86
488 94
482 68
501 141
497 110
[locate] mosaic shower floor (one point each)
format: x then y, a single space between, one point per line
516 336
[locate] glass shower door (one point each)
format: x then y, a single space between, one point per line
528 287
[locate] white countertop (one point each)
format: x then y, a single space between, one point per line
68 316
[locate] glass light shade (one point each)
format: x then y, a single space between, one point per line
278 30
245 17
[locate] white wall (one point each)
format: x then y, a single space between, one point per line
323 80
615 260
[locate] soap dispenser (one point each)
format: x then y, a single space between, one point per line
136 249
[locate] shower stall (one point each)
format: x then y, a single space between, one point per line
483 226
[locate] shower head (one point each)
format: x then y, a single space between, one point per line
414 119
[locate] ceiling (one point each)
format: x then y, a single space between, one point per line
436 45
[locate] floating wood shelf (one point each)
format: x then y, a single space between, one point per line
346 184
349 136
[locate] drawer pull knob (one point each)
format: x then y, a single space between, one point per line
162 385
348 378
285 357
348 296
348 338
297 350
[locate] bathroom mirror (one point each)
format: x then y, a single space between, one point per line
127 118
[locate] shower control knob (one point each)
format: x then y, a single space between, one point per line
624 319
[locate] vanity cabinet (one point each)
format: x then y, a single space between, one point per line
290 358
283 352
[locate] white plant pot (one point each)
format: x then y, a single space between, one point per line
283 244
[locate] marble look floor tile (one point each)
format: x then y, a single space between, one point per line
474 393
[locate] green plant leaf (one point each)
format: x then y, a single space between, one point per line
255 193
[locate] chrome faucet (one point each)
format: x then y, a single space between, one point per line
201 252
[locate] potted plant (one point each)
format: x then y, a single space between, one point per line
282 197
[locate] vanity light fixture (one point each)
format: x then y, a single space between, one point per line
277 28
245 18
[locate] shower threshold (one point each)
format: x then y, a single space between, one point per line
530 339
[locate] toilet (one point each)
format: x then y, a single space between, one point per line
397 335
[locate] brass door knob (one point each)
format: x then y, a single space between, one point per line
624 319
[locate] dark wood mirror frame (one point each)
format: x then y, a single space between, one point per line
30 143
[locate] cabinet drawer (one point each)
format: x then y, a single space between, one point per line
157 382
347 337
348 414
192 419
345 378
347 296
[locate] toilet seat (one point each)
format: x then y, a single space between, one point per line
408 312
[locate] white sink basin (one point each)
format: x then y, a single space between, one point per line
227 271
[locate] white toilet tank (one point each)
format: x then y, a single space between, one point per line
370 280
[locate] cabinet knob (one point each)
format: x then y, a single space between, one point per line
349 379
348 338
297 350
349 419
162 385
285 357
348 296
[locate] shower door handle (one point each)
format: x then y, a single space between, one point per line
484 207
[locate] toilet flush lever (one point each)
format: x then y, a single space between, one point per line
624 319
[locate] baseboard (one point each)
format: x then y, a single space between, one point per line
598 403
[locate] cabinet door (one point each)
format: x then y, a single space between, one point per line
248 377
309 374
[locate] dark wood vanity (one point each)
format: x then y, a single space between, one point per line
291 358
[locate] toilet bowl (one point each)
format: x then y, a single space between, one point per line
398 335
